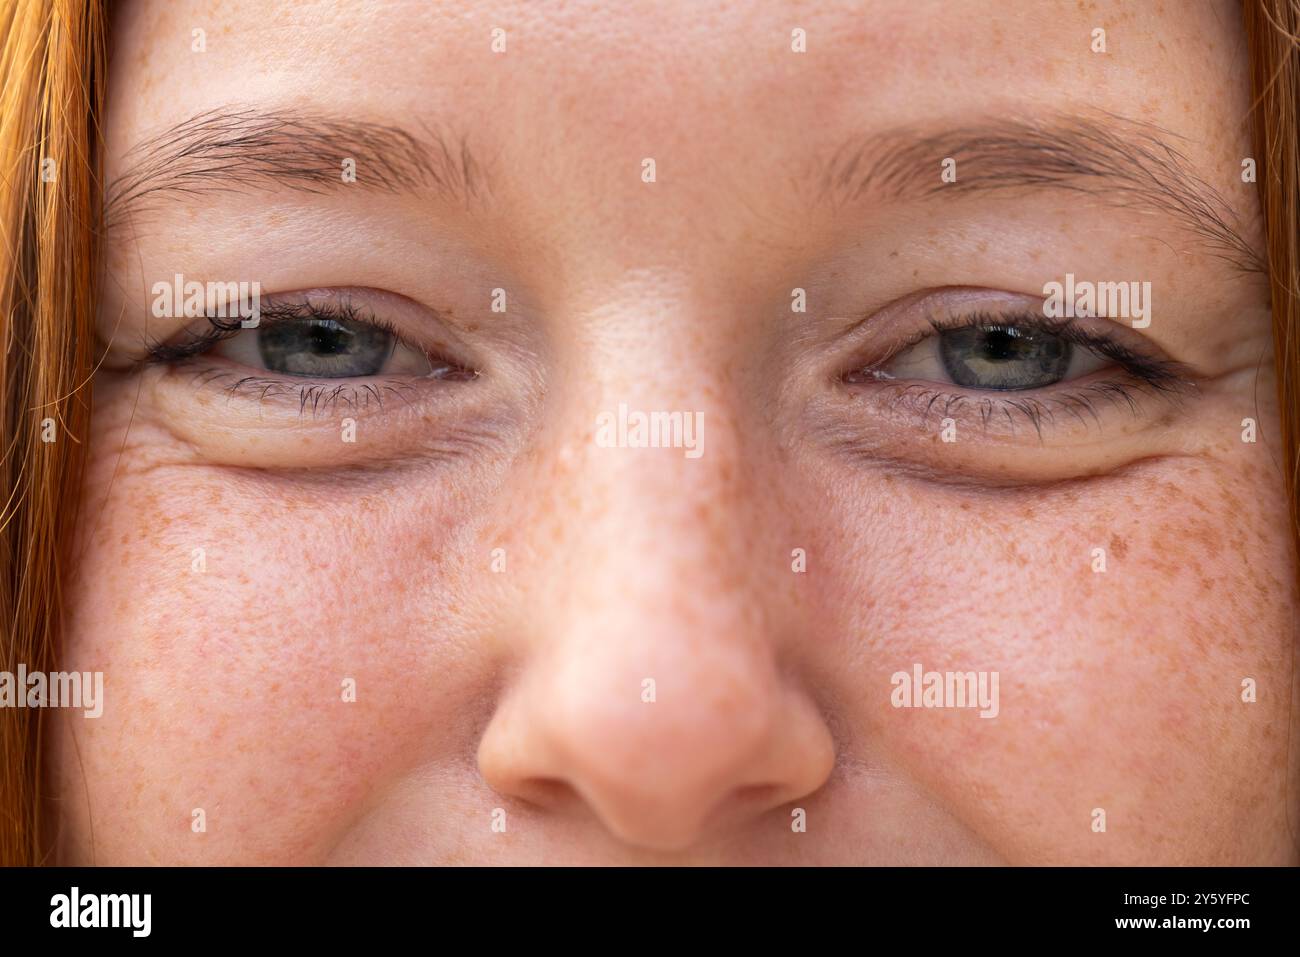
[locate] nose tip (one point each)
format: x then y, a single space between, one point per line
664 775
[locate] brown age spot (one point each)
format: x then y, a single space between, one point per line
1118 547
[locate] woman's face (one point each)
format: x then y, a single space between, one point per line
390 577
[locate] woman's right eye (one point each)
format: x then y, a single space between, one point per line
320 337
321 347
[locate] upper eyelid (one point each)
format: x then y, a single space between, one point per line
1106 337
217 328
1070 329
876 335
278 308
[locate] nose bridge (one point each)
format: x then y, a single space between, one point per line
650 508
657 572
658 513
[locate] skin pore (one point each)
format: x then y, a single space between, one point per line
499 586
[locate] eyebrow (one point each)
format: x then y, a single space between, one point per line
242 150
1123 162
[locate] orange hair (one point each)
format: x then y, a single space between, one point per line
52 69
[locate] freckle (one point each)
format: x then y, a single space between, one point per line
894 254
1118 547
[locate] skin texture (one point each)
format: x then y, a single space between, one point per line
521 689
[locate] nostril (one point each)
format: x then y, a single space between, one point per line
548 793
746 801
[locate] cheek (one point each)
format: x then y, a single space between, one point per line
1118 689
236 617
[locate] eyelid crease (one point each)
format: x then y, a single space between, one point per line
1001 487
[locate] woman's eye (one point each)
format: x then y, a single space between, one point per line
994 357
324 348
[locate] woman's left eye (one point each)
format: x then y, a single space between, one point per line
324 348
994 357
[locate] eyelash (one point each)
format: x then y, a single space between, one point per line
317 395
222 328
1143 373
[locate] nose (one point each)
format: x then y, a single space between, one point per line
650 689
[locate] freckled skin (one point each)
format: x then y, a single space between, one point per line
523 689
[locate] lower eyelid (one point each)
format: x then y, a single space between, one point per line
869 430
1085 402
439 427
314 398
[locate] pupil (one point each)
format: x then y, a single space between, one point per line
1000 345
329 339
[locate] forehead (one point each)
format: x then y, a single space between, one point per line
657 68
679 72
734 102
